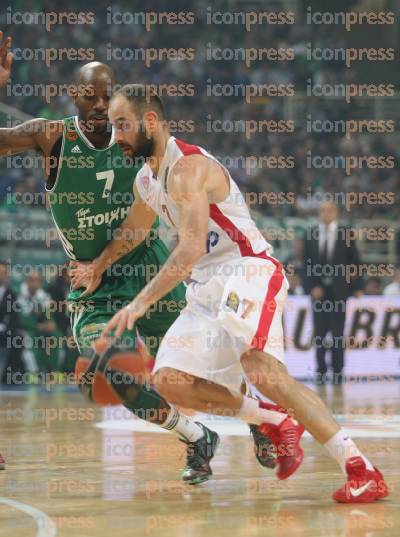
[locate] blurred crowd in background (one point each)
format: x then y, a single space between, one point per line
104 38
33 295
35 333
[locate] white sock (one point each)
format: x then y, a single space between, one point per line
341 447
182 426
251 412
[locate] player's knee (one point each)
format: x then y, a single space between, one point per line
252 364
169 383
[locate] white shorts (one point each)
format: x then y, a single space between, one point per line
225 317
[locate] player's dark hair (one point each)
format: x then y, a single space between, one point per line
143 97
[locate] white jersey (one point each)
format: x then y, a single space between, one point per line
231 234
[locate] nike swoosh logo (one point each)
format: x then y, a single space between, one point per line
360 490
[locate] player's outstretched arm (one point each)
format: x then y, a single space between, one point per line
187 185
34 134
132 232
37 134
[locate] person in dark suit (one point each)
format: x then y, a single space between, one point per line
331 277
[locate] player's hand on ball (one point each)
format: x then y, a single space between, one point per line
84 275
124 319
6 58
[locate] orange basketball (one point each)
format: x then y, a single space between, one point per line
107 378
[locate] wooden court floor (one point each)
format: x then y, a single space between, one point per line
76 471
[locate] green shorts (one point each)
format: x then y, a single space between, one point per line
88 317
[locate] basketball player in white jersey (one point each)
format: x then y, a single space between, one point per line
233 321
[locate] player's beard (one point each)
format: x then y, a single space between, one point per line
145 145
143 148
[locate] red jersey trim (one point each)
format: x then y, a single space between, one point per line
268 310
246 250
234 233
188 149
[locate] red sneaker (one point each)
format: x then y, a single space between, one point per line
271 406
264 448
2 463
286 438
362 486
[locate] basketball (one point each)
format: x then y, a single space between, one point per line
107 378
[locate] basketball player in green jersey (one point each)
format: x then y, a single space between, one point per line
90 193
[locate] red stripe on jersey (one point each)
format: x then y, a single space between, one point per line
188 149
234 233
268 310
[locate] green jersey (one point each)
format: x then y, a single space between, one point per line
91 197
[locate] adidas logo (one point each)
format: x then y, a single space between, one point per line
76 149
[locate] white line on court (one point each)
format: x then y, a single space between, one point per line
45 526
376 426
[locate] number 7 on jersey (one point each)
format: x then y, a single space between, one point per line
108 175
